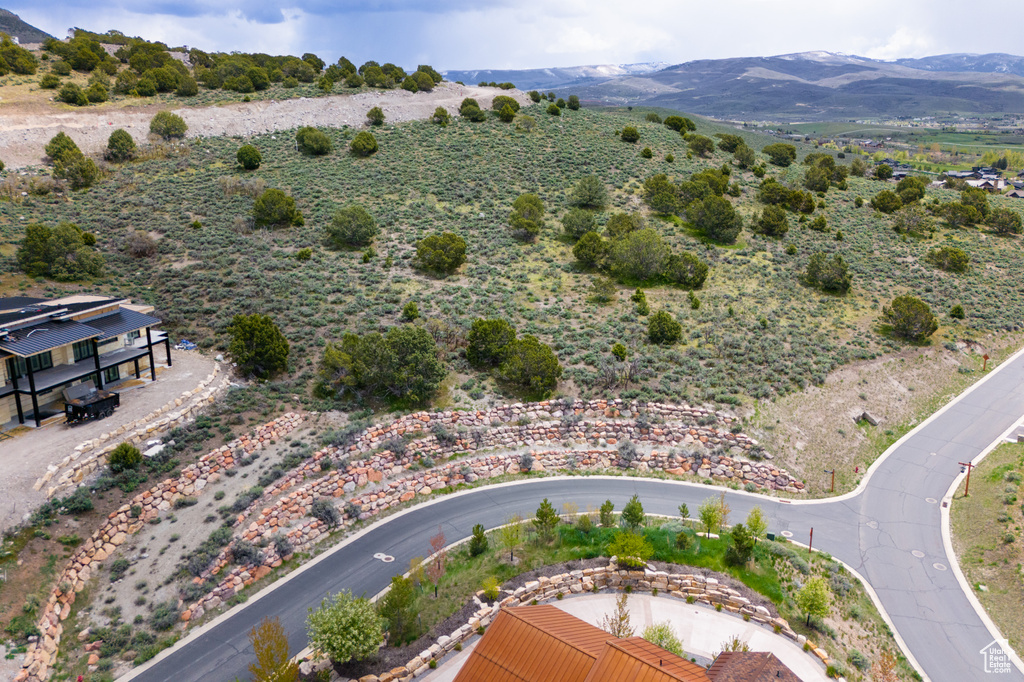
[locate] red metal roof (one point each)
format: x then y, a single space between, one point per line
638 660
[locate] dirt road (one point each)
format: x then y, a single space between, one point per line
23 135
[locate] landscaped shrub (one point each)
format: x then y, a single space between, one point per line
532 366
124 457
164 616
325 512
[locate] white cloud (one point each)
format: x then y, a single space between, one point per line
460 34
904 42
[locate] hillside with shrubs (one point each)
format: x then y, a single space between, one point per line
673 260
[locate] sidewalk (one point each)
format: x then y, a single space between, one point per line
701 630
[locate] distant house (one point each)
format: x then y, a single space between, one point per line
1016 194
49 345
988 184
543 643
962 175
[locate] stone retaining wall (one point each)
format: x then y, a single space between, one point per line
121 523
691 587
91 455
289 515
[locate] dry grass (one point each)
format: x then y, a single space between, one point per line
816 429
987 538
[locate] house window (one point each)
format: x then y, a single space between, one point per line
16 366
111 374
83 350
130 337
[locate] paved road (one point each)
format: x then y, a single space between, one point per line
876 531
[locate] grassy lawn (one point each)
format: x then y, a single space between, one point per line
987 538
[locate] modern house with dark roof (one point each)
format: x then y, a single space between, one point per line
545 644
49 345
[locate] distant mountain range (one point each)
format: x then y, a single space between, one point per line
542 79
12 25
803 86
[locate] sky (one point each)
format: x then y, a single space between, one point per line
525 34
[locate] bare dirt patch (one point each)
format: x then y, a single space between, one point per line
817 428
24 134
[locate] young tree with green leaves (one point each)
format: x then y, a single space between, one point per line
633 514
710 514
397 608
607 514
345 628
590 250
577 222
375 116
617 622
757 523
630 549
478 543
701 146
1005 221
545 520
257 346
742 547
814 598
510 534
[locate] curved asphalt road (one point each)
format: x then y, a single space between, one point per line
875 530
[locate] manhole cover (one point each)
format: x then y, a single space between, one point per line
939 567
786 534
918 553
386 558
872 524
931 500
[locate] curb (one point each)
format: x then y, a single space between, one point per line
954 564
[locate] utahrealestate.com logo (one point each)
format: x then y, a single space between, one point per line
996 658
